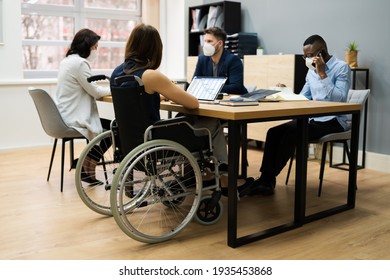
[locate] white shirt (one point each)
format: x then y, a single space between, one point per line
76 97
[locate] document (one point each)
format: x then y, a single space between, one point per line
285 94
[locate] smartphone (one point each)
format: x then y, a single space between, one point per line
323 53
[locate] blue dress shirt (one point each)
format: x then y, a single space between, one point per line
334 87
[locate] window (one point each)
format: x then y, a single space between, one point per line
48 27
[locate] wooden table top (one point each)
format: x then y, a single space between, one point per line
263 111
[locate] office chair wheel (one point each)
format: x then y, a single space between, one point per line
156 191
209 211
97 197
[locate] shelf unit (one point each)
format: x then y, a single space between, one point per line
231 13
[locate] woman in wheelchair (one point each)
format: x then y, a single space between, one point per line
143 53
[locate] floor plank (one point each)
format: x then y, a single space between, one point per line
40 222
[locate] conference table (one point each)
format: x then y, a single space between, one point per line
238 117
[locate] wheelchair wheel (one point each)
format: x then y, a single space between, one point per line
209 210
97 197
156 191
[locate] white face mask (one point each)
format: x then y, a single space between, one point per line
92 56
309 63
208 49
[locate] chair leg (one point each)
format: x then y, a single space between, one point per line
62 163
289 168
322 168
51 159
346 148
71 155
330 154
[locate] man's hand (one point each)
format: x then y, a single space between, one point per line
320 66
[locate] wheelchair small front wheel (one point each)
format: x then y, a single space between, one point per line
209 211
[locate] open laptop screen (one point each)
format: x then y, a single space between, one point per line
206 88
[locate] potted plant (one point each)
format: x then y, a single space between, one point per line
259 50
351 54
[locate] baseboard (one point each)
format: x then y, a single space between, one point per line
374 161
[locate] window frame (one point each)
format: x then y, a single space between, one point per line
80 14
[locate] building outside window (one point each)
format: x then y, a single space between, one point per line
48 27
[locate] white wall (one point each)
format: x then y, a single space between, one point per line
173 34
11 51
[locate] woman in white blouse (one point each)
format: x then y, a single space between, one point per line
76 97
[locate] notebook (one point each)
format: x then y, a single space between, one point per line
259 94
242 102
206 89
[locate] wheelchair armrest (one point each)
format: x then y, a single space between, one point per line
181 131
175 120
97 78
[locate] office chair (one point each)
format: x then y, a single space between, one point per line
354 96
54 126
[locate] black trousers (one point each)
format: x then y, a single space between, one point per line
98 150
280 143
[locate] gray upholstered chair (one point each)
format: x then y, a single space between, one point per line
54 126
354 96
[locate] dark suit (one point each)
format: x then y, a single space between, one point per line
229 66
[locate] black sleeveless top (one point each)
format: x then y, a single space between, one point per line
152 100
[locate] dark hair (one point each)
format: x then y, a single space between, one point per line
218 33
82 43
144 47
314 38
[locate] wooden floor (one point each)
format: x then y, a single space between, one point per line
39 222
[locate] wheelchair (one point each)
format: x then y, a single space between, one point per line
152 173
97 197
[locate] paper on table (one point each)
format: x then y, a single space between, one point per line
285 94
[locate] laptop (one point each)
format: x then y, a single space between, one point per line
206 89
259 94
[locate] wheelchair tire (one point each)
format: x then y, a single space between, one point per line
156 191
97 197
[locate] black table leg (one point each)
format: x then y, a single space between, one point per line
233 156
301 172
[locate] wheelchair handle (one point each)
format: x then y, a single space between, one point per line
95 78
128 78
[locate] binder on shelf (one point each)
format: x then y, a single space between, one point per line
203 22
195 19
215 16
220 21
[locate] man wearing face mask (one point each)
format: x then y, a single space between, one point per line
328 79
218 62
76 97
